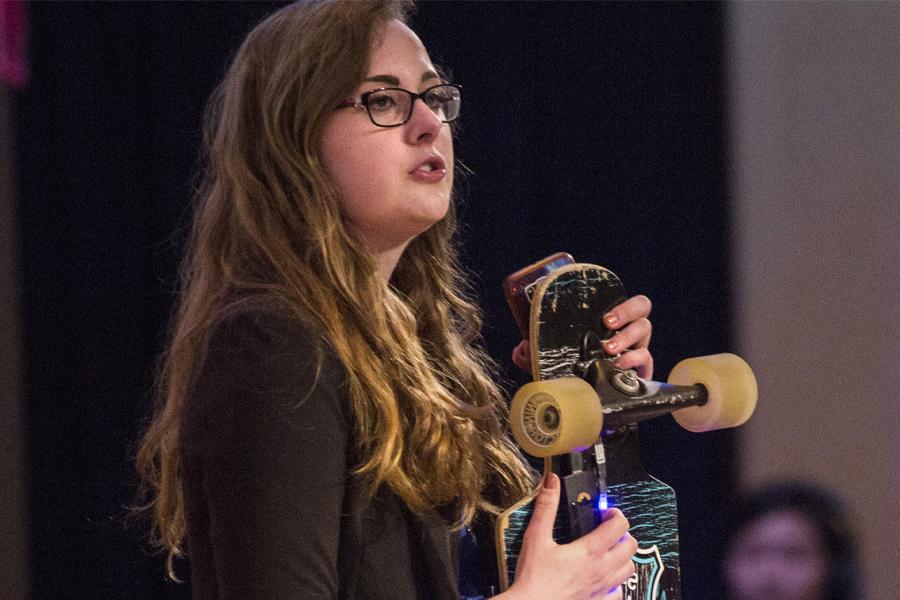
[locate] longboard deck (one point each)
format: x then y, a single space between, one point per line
566 304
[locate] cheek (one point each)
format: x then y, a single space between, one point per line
355 169
445 145
808 577
346 172
740 576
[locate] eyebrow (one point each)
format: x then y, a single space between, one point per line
391 80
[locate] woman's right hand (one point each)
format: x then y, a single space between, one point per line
593 566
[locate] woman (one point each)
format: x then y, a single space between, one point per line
327 424
791 541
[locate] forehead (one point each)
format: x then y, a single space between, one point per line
397 50
783 526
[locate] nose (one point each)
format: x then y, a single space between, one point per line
423 124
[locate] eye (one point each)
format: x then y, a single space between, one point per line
381 102
439 97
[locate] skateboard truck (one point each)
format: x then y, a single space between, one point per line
569 414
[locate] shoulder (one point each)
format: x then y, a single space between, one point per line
266 324
265 368
261 342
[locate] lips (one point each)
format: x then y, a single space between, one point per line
431 169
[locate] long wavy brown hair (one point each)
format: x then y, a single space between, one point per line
268 224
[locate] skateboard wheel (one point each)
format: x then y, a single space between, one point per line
731 388
556 416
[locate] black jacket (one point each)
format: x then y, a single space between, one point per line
273 510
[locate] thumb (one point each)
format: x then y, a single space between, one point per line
545 505
521 356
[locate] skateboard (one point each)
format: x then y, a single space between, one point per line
580 416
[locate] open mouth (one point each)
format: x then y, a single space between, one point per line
431 164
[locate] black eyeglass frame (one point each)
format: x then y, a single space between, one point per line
362 101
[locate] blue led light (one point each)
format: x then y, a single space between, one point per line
602 502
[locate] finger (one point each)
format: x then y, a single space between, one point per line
614 594
615 517
636 307
627 569
619 576
640 360
618 565
607 535
521 356
545 506
621 553
634 335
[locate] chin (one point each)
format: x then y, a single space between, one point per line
424 226
429 213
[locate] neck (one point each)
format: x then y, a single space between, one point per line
387 261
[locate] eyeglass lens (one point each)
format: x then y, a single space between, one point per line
394 106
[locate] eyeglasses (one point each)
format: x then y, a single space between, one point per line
392 107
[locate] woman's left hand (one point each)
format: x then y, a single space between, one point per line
631 340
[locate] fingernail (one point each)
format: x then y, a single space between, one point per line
611 346
611 319
550 482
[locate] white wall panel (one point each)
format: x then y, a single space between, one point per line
815 130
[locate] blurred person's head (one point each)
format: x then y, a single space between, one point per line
791 541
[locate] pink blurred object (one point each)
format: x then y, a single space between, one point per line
13 42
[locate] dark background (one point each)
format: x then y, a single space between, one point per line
597 129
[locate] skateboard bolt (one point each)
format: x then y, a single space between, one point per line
627 382
550 418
